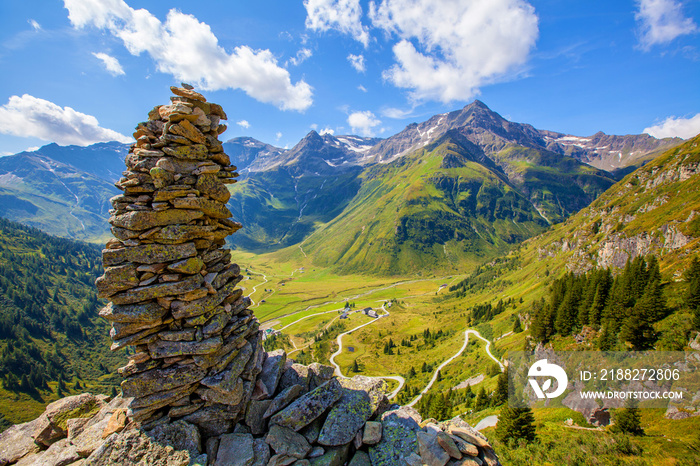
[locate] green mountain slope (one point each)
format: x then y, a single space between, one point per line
56 197
448 206
281 208
50 334
655 209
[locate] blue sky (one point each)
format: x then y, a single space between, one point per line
82 71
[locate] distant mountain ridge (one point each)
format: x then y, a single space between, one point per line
284 195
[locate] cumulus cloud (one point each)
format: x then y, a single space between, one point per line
301 56
676 127
243 124
342 15
278 136
363 123
661 21
29 116
188 49
447 50
357 62
326 131
111 64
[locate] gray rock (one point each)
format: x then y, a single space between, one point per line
168 349
135 447
262 452
158 380
431 452
449 445
213 420
180 435
373 433
254 416
272 369
316 452
308 407
283 399
360 459
320 374
60 453
285 441
311 431
335 456
399 429
235 450
281 460
295 374
17 441
361 397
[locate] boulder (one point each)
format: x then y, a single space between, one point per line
272 369
309 406
399 428
235 450
285 441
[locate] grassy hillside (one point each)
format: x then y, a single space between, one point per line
51 341
448 207
55 197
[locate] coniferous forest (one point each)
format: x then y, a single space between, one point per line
51 341
624 308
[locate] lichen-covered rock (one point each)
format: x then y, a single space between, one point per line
285 441
335 456
399 429
361 397
283 399
136 447
360 458
308 407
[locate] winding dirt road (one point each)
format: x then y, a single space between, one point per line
457 354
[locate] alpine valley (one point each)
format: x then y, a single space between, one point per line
424 258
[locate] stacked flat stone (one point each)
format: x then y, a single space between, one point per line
193 344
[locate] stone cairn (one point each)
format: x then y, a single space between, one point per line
199 389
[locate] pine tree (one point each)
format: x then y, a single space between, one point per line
517 326
515 423
627 419
481 401
500 396
355 367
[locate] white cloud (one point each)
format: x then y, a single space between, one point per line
343 15
313 126
357 62
396 113
36 26
676 127
447 50
111 64
243 124
363 123
362 88
326 131
661 21
189 50
29 116
32 149
278 136
301 56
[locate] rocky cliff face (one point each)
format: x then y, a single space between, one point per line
653 210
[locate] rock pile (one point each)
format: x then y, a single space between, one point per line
199 389
172 287
340 421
